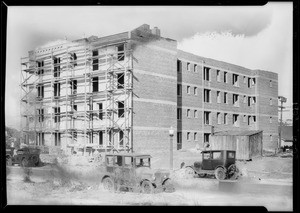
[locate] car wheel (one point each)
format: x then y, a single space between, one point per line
189 172
108 184
147 187
202 175
220 173
8 161
24 162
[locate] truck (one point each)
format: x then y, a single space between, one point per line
133 172
218 163
24 157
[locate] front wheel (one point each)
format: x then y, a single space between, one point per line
220 173
108 184
147 187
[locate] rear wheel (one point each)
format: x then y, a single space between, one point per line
220 173
233 172
35 160
189 172
108 184
147 187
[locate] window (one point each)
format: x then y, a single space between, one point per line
225 77
249 82
218 75
195 91
56 89
95 81
188 66
254 119
271 102
218 97
206 117
249 120
195 136
41 115
245 99
100 111
95 60
40 89
40 65
40 139
188 89
235 100
253 81
206 73
110 160
235 119
216 155
121 53
230 154
235 80
118 161
219 117
271 83
120 81
121 109
74 107
73 86
188 113
270 120
253 100
56 63
57 138
206 137
179 66
179 114
195 114
100 137
56 114
128 161
188 136
207 95
179 140
91 137
225 97
179 89
206 155
249 101
121 138
225 118
74 59
195 67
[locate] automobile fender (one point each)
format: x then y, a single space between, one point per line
192 168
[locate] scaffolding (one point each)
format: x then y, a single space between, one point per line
61 87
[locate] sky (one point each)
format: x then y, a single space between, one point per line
255 37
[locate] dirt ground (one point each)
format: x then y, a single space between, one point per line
79 186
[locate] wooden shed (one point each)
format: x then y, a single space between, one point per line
247 144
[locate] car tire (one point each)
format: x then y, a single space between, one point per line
35 160
147 187
108 184
220 173
233 172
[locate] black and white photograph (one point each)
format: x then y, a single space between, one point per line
150 105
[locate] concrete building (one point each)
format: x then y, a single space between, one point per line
125 91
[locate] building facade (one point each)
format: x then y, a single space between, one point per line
125 91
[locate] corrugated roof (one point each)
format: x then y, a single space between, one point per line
240 133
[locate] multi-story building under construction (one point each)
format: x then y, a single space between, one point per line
125 91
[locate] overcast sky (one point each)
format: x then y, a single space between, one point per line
256 37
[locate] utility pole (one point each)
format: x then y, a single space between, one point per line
282 100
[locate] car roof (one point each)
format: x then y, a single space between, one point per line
137 155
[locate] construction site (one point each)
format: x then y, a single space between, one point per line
124 92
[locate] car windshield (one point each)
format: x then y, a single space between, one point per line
142 162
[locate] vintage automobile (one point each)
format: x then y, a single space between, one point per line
220 163
24 157
133 172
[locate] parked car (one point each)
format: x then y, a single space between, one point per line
220 163
24 157
133 172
